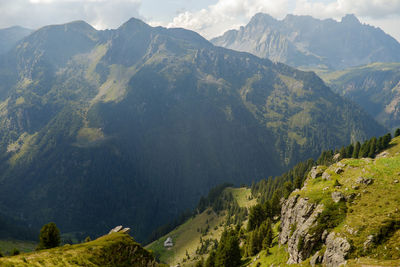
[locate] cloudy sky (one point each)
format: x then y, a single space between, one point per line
208 17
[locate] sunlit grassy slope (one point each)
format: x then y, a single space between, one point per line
116 249
208 226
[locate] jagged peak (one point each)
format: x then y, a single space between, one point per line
350 19
262 18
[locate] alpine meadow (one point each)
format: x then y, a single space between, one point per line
273 144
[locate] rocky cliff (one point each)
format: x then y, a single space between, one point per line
346 213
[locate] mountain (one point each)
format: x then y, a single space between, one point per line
116 249
131 126
375 87
303 41
344 212
10 36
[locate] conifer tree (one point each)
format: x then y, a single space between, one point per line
49 236
356 150
397 132
228 251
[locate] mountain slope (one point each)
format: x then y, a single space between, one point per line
302 41
10 36
354 219
374 87
131 126
116 249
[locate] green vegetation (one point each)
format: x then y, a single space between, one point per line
111 250
49 236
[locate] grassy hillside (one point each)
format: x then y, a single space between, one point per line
116 249
371 211
207 226
6 246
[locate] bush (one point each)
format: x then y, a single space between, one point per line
49 236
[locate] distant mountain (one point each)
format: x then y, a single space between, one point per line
10 36
303 41
375 87
131 126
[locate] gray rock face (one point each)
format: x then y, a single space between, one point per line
336 251
298 216
316 259
305 41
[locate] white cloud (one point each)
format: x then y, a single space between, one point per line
36 13
230 14
227 14
335 9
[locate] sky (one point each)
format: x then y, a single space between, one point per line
210 18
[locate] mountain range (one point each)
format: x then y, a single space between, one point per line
307 42
375 87
131 126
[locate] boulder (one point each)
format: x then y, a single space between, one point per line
369 242
126 230
337 196
336 157
315 172
115 229
336 251
326 176
339 170
366 181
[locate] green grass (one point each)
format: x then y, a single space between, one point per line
373 206
6 246
186 237
111 250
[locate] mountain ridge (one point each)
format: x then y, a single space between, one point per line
303 41
129 122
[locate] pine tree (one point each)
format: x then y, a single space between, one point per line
372 148
397 132
228 251
49 236
349 151
356 150
342 153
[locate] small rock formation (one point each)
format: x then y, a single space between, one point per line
316 259
339 170
336 157
369 242
119 229
366 181
326 176
337 196
384 154
298 216
336 251
316 171
168 243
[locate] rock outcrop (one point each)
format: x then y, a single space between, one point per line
298 216
336 251
120 229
